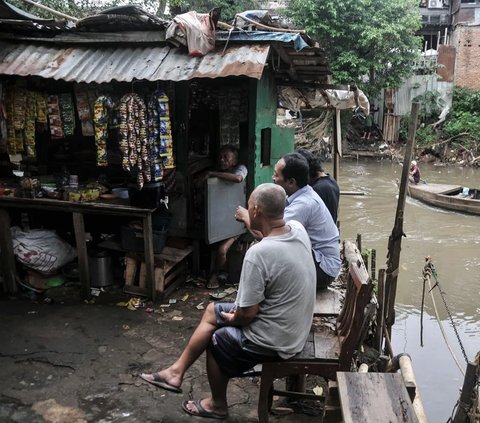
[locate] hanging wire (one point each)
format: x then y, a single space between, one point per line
428 271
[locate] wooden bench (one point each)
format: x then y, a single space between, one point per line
326 351
374 398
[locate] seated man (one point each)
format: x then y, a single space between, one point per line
414 173
231 171
271 316
322 183
305 206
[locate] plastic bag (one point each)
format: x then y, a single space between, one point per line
41 250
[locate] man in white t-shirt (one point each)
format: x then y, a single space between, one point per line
272 314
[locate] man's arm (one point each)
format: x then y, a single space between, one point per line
226 176
242 216
242 316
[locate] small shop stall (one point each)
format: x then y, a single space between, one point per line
110 134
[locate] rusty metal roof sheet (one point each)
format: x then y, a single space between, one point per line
106 63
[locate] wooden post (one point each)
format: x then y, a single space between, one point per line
381 310
395 239
149 259
365 260
373 269
337 144
359 242
79 229
7 259
466 397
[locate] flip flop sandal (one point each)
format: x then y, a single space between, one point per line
160 383
201 412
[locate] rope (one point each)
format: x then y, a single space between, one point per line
428 270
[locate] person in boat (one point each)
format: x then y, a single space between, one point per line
414 173
231 171
322 183
270 318
305 206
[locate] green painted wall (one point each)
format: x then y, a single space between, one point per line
263 110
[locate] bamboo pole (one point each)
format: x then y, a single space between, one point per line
52 11
381 310
395 239
406 370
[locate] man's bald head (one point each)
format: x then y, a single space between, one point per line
271 199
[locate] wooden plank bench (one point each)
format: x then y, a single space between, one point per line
374 398
328 303
325 351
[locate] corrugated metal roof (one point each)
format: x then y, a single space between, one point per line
106 63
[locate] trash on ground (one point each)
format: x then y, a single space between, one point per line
126 327
177 318
184 298
281 411
172 301
318 390
95 291
201 306
164 305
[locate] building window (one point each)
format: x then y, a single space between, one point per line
266 146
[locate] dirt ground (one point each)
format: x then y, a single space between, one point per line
66 361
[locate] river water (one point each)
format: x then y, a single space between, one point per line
452 241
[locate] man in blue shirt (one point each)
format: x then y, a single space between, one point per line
305 206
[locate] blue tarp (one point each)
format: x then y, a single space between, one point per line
259 36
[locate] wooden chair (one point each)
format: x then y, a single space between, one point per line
326 352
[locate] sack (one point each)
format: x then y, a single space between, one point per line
196 28
42 250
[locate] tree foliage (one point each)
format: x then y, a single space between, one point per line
229 7
370 41
82 8
465 116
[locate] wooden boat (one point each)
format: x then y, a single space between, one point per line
449 197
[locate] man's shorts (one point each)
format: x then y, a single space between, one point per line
232 351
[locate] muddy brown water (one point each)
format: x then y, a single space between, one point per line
452 240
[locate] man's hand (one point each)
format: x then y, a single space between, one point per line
241 215
241 316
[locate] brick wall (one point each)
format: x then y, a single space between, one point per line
466 39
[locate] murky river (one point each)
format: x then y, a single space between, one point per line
453 242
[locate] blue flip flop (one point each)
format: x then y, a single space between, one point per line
160 383
201 412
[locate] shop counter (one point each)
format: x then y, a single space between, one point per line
78 210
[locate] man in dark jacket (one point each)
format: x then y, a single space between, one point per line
322 183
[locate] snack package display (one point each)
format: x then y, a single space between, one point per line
134 141
54 117
102 108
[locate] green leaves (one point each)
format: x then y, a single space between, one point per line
363 38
